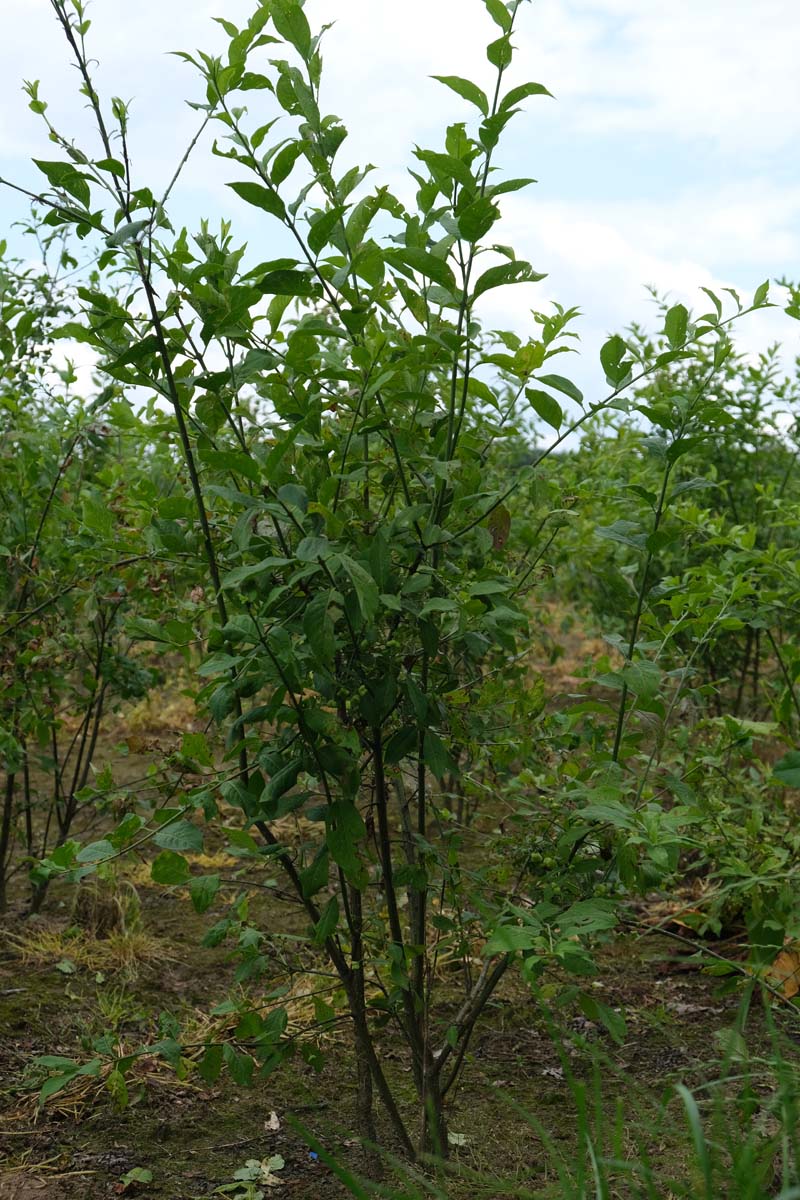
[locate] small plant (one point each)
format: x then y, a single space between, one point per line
251 1179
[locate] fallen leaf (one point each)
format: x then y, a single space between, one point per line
784 974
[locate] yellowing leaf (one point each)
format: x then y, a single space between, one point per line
784 973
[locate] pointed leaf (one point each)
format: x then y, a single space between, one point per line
545 406
787 769
676 324
292 24
521 93
180 835
261 197
560 384
416 259
466 89
506 273
499 14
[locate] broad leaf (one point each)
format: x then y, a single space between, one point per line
545 406
466 89
180 835
506 273
261 197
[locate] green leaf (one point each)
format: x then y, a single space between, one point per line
180 835
643 678
787 769
284 161
146 630
380 558
116 1085
326 926
55 1084
261 197
235 461
97 516
169 1049
319 628
112 165
501 52
477 219
585 917
136 1175
365 587
715 300
512 98
436 756
676 324
314 878
344 831
508 185
416 259
438 604
210 1064
611 812
292 24
195 746
761 295
127 232
545 406
613 361
499 14
239 1065
508 938
95 852
65 177
560 384
243 574
506 273
601 1014
466 89
698 1137
203 890
170 868
313 549
401 744
280 782
323 226
287 283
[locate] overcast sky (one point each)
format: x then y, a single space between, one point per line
671 155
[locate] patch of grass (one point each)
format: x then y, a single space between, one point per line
126 951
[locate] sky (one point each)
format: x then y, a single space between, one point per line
670 155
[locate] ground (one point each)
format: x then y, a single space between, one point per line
515 1108
193 1138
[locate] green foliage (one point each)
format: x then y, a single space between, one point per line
81 481
358 495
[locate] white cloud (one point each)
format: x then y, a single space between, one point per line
717 78
721 71
601 257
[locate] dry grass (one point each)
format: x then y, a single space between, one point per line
125 951
164 709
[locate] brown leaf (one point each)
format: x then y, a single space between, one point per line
499 525
784 974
